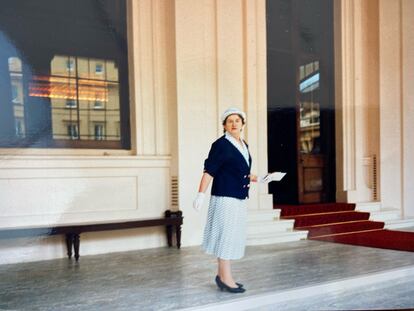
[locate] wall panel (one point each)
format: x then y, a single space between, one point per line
39 192
390 103
407 25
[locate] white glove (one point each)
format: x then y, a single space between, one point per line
198 201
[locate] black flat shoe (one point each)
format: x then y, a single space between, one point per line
238 284
223 286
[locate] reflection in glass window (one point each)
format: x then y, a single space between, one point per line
309 108
15 64
98 104
98 99
15 93
99 132
16 79
111 71
73 131
19 123
69 83
70 64
99 69
70 103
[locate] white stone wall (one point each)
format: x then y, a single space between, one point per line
374 115
357 104
396 101
407 55
221 62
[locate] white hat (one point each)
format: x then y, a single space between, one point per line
231 111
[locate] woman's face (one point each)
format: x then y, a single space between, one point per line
233 125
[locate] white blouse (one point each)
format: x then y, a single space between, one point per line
241 147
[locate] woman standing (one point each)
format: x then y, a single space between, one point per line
228 165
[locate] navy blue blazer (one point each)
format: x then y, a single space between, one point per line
229 169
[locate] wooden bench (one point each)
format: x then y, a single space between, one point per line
172 220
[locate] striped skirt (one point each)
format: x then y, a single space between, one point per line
225 230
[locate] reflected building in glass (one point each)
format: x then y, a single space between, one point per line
309 108
16 82
84 95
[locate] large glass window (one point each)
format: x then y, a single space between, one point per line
63 68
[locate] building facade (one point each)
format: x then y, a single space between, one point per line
95 131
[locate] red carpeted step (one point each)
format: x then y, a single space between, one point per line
326 218
360 225
333 222
291 210
388 239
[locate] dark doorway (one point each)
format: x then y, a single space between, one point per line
300 83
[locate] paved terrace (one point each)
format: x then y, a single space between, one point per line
171 279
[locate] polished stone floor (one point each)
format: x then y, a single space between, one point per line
398 294
171 279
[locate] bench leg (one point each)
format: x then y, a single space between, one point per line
178 235
69 243
169 235
76 242
169 229
170 214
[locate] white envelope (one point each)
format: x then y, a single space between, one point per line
279 175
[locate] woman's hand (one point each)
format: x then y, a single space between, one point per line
198 201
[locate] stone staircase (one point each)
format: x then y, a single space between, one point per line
266 227
390 216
